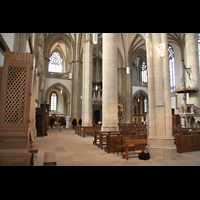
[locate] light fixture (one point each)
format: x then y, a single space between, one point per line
96 87
61 91
127 70
161 49
94 38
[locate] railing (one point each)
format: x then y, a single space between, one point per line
140 83
59 75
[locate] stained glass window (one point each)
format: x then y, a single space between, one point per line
53 101
55 63
171 68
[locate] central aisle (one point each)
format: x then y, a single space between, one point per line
73 150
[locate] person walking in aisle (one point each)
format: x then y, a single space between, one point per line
74 122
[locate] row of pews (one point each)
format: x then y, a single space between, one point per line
129 138
186 139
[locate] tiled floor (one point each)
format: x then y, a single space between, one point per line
73 150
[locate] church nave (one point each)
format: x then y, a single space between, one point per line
79 151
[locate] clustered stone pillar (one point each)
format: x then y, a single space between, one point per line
193 63
76 87
160 139
109 97
87 82
128 97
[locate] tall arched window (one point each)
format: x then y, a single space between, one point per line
53 101
145 105
55 63
144 72
172 68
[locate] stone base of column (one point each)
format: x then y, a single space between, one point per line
162 148
109 128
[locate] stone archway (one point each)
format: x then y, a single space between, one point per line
139 106
65 94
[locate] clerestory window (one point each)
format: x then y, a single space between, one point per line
55 63
53 101
171 68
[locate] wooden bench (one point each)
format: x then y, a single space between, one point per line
133 143
90 130
49 159
82 130
103 137
119 142
114 140
96 137
77 130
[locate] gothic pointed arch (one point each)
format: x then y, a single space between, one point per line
140 91
65 90
51 39
137 49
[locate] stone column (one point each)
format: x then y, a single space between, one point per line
151 100
160 140
121 91
109 99
170 149
76 89
158 86
128 97
20 42
87 82
193 64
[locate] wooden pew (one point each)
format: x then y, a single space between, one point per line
115 143
96 137
82 130
133 143
89 130
49 159
78 130
186 143
104 134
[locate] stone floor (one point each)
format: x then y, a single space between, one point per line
73 150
